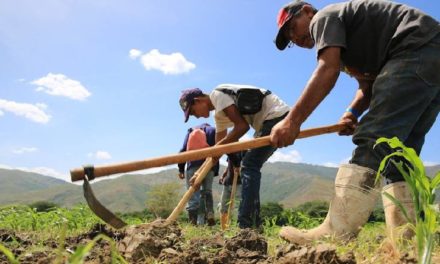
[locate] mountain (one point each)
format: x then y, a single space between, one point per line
288 183
432 170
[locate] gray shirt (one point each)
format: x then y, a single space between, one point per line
370 32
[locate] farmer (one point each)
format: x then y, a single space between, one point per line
227 100
227 181
201 204
393 51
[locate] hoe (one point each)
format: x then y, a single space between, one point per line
90 172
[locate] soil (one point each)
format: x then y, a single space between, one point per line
157 242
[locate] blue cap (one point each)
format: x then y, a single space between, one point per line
187 99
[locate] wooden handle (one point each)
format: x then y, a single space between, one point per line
200 175
231 200
78 174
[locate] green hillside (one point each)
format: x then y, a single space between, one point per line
288 183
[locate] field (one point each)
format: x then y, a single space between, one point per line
78 236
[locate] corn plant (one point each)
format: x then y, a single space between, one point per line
300 220
82 251
8 254
422 190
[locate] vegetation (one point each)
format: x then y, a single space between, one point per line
422 189
162 199
60 224
43 206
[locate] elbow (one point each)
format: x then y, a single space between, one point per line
332 73
329 75
243 128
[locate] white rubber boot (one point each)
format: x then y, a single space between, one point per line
354 200
394 217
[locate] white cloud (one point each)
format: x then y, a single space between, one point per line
330 164
23 150
60 85
430 163
49 172
336 165
32 112
40 170
174 63
153 170
100 155
134 53
290 156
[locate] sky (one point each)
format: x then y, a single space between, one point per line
98 82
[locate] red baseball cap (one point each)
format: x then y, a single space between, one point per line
284 16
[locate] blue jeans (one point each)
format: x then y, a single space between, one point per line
201 200
405 103
249 210
226 197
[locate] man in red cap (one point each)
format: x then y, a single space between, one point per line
393 51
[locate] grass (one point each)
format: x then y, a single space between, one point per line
371 246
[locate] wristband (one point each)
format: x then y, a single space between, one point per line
353 111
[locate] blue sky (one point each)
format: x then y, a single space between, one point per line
97 82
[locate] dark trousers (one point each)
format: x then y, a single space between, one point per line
405 103
249 210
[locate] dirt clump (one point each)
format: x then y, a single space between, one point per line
148 240
95 231
247 247
9 236
320 254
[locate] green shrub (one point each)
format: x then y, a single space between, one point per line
316 209
43 206
271 210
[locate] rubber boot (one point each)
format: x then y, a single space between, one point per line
210 220
394 217
354 200
192 217
224 221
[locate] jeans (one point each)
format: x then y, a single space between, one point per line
226 197
249 210
201 200
405 103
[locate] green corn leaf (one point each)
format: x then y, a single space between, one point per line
398 204
435 181
8 254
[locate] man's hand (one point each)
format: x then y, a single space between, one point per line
350 121
181 175
284 133
222 178
192 182
237 170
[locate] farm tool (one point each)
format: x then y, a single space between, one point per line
90 172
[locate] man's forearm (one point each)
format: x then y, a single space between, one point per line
361 101
236 133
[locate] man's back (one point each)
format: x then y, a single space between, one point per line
371 31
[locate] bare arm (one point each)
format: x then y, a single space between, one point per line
319 85
240 125
360 103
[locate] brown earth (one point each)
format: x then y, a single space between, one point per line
158 242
